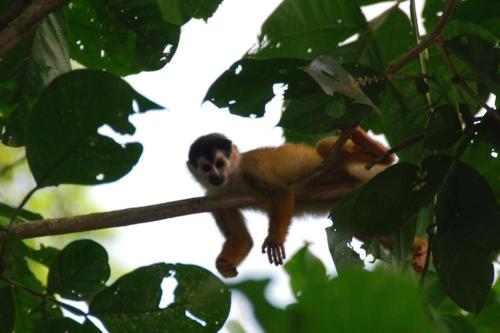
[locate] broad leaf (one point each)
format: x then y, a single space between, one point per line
468 232
271 318
132 304
180 11
307 28
305 271
65 325
123 37
72 109
483 58
344 257
247 85
44 255
79 271
26 70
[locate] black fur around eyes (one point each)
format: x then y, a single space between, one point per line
206 146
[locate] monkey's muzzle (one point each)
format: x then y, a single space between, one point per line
216 180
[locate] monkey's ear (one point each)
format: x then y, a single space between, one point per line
235 154
191 168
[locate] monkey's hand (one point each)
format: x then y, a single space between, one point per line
275 250
225 268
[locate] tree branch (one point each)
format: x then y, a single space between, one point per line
157 212
26 23
426 42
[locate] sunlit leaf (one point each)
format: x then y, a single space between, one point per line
123 37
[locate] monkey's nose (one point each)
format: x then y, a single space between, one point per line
216 180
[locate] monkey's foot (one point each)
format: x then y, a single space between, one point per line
419 256
225 268
275 250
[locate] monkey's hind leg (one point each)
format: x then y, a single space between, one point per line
238 241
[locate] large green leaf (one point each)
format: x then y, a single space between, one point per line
123 37
63 144
360 301
484 13
132 304
247 85
79 271
180 11
271 318
305 271
468 231
65 325
483 58
307 28
444 128
26 70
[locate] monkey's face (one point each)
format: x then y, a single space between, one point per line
212 160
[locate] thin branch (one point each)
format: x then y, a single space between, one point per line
14 10
157 212
426 42
457 77
405 144
26 23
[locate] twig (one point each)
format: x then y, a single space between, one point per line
26 23
425 43
396 148
457 77
157 212
44 297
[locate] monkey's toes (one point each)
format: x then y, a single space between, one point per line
225 268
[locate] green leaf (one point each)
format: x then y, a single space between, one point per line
65 325
305 271
307 28
79 271
72 109
482 56
247 86
444 128
44 255
344 257
457 324
7 310
26 70
465 11
468 229
342 305
24 215
488 320
181 11
120 36
271 318
132 303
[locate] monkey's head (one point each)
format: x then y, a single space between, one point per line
212 160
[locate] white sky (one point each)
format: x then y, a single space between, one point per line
204 52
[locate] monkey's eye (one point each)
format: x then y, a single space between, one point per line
206 168
219 164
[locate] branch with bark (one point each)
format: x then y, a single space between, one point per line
26 22
137 215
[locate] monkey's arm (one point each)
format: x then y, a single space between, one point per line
238 241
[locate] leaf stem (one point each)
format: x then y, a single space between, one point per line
44 297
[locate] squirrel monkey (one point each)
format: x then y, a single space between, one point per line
269 173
